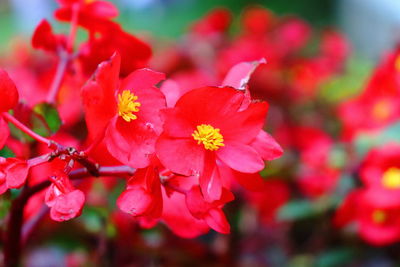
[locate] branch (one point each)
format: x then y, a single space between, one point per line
8 117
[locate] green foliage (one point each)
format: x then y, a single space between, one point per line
335 257
347 85
364 142
6 153
50 115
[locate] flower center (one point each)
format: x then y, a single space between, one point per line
391 178
209 136
381 110
127 105
379 216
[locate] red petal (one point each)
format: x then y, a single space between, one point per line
177 124
196 204
16 172
132 143
99 96
178 218
239 157
8 92
210 180
183 156
135 201
44 38
141 80
4 132
142 83
266 146
216 220
172 92
239 75
102 9
244 126
68 206
3 184
379 235
209 105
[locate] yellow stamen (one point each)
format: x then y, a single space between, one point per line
391 178
209 136
381 110
379 216
127 104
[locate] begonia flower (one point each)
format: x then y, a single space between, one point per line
64 200
126 112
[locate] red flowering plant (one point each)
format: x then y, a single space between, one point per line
102 138
182 151
375 207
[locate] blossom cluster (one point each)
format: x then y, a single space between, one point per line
184 125
183 150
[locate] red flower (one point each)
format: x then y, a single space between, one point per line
142 197
379 104
13 173
257 21
381 168
44 38
376 212
316 175
206 126
105 36
215 22
90 13
376 208
65 202
128 111
102 45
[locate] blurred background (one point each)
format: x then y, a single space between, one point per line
371 25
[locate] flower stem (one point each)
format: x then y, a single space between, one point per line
58 77
8 117
74 27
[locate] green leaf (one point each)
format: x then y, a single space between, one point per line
364 142
5 205
50 115
296 209
336 257
348 85
6 153
301 209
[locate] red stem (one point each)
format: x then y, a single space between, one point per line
8 117
65 57
58 77
74 27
